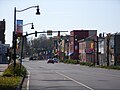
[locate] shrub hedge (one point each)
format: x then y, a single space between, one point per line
111 67
68 61
9 83
11 77
15 71
87 63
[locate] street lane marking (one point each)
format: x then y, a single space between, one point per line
75 81
28 81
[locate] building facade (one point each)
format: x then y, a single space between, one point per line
2 31
77 35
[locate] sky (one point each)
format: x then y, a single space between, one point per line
62 15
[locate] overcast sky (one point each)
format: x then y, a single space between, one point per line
101 15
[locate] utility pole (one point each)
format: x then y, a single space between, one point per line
108 42
115 54
97 51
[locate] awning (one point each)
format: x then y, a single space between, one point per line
70 53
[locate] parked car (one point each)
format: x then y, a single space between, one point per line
55 60
50 60
32 58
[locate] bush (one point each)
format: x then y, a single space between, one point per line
11 77
9 83
87 63
61 60
65 61
111 67
74 61
68 61
17 71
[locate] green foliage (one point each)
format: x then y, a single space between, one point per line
15 71
65 61
9 83
11 77
111 67
42 42
68 61
87 63
75 61
61 60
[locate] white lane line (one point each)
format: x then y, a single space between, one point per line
28 81
75 81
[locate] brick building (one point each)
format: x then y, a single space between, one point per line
77 35
2 31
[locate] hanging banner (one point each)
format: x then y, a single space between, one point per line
19 30
92 45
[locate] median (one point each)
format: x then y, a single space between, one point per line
13 77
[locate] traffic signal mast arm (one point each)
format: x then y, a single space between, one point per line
44 32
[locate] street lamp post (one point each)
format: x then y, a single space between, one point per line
15 34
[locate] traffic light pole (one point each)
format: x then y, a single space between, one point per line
22 51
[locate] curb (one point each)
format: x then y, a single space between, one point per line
19 87
3 67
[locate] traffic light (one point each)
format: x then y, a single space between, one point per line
61 37
49 32
35 33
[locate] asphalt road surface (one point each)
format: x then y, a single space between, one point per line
61 76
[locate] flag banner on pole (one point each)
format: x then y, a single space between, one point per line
19 30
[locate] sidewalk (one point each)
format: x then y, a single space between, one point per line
2 68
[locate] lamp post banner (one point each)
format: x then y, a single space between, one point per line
19 30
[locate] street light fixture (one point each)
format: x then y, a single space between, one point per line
32 27
14 33
38 12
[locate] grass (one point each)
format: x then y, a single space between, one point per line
15 71
9 83
12 77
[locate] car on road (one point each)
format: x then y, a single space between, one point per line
55 60
32 58
50 60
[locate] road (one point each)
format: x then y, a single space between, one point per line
61 76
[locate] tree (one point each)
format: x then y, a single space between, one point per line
40 43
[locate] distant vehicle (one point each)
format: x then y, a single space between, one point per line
33 58
55 60
50 60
